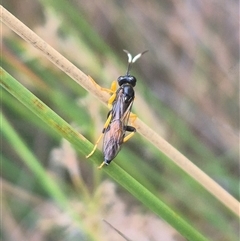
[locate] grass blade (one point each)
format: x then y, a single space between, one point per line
84 146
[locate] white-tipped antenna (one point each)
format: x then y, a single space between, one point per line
132 60
129 56
138 56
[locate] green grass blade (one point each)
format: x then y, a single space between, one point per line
84 147
31 161
45 180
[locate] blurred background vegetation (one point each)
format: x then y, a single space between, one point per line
187 90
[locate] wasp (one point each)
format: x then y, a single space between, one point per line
120 105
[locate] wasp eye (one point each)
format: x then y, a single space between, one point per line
132 80
121 80
127 79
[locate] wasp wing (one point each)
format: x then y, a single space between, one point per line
115 132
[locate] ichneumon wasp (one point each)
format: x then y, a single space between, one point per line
120 104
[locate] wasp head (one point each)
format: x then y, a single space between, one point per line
127 79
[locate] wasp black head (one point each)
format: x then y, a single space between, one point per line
127 79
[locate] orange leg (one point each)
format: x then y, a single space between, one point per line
112 91
103 163
100 137
133 118
126 138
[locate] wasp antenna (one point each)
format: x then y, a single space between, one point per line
138 56
129 56
129 61
132 60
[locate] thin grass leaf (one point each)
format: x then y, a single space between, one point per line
45 180
84 146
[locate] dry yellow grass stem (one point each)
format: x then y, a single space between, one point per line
142 128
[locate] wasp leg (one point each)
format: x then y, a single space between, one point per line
95 146
112 91
132 129
129 129
133 117
100 137
113 88
112 98
99 87
103 163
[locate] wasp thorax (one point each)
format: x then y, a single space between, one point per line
128 92
127 79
